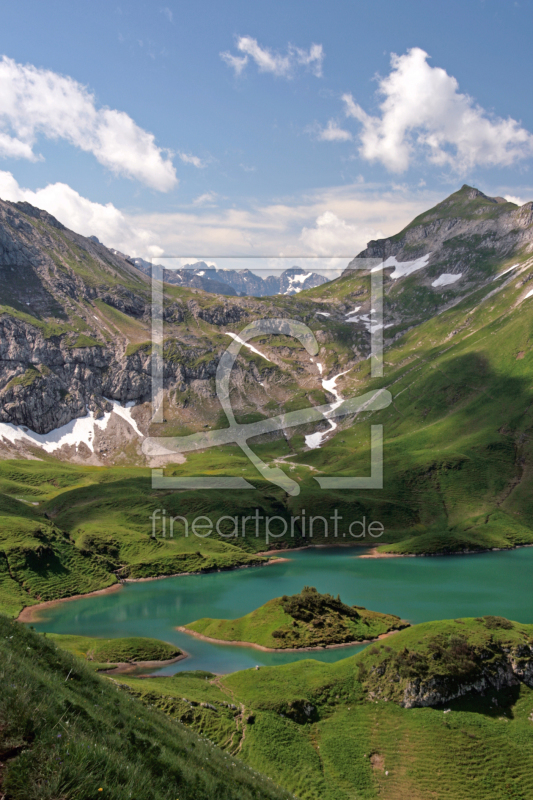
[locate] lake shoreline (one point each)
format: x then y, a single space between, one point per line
375 554
32 613
126 667
311 649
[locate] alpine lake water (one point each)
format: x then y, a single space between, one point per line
416 589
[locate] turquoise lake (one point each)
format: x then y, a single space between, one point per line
417 589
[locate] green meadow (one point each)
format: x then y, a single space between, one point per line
338 731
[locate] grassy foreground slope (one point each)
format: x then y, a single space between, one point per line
339 732
68 733
308 619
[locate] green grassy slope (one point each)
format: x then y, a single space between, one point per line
92 526
68 733
457 454
309 619
326 733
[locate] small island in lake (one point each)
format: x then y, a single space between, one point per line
301 621
121 654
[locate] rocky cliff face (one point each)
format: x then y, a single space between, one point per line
512 666
460 232
437 662
75 335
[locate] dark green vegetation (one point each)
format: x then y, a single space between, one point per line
339 731
67 733
308 619
99 652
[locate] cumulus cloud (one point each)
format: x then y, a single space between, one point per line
332 236
422 111
513 199
107 222
283 66
333 133
328 222
37 102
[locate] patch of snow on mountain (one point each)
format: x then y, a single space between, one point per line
529 294
402 268
77 431
249 346
125 413
323 313
314 440
300 278
505 272
446 278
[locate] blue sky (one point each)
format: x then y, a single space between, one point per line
304 136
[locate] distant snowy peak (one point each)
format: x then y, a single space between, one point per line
237 282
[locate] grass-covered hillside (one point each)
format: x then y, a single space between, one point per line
340 732
308 619
67 733
67 529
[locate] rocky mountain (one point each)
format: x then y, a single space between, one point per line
448 252
75 344
76 338
237 282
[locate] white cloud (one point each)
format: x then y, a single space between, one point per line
237 63
188 158
107 222
37 102
267 60
333 133
206 199
167 12
332 236
328 222
422 111
513 199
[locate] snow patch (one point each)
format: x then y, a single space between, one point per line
249 346
299 278
505 272
402 268
125 413
314 440
529 294
446 278
76 432
323 313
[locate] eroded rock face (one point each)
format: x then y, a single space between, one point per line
495 665
513 668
